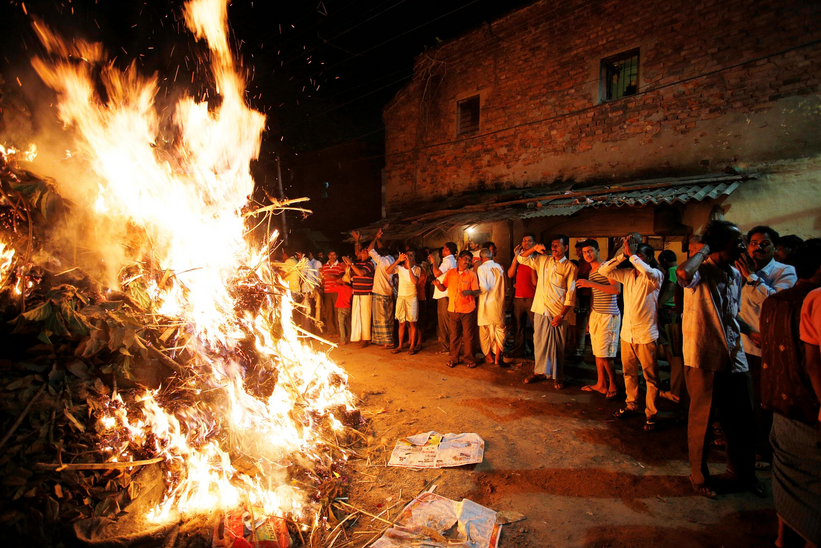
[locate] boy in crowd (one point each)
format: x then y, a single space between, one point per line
344 294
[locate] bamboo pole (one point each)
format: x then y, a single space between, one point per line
59 467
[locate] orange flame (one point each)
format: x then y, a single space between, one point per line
186 199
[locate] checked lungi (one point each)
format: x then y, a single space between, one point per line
382 319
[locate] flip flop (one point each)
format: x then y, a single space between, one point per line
413 351
396 350
612 395
535 378
471 365
703 489
451 364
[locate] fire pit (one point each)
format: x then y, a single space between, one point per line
155 375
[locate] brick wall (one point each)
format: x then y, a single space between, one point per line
720 82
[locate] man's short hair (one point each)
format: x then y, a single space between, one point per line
667 256
452 247
807 258
486 253
526 234
563 238
590 242
466 253
764 229
646 250
790 241
717 234
488 245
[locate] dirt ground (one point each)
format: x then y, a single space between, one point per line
579 476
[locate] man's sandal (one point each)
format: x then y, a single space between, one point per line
451 364
471 365
625 413
536 377
702 489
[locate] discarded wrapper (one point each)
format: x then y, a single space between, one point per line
433 521
433 450
238 529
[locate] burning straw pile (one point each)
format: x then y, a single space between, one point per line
152 372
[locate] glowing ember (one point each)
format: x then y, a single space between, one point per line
6 260
26 156
180 207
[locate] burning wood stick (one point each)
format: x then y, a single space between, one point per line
59 467
162 357
279 205
22 416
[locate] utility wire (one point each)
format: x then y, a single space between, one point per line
346 103
346 31
360 54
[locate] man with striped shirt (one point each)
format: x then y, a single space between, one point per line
362 281
604 322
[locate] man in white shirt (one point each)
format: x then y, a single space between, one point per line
407 306
716 371
554 298
639 326
441 297
382 332
491 317
763 276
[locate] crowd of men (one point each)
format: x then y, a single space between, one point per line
739 322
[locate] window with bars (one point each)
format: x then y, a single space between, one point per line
620 75
467 115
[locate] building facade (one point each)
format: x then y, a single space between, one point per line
595 94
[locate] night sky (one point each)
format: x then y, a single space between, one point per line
321 71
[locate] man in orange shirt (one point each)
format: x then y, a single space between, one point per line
462 286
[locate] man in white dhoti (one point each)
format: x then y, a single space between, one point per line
554 299
491 316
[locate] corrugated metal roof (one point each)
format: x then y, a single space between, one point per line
461 213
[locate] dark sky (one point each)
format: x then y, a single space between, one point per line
321 71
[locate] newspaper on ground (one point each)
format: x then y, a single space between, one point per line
433 521
433 450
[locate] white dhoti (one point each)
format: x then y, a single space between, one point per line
491 338
491 310
361 318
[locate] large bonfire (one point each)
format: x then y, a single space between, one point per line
170 279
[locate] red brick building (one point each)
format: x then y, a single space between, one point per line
681 106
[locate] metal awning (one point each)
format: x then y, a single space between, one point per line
485 208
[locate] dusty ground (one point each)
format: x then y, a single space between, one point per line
580 477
